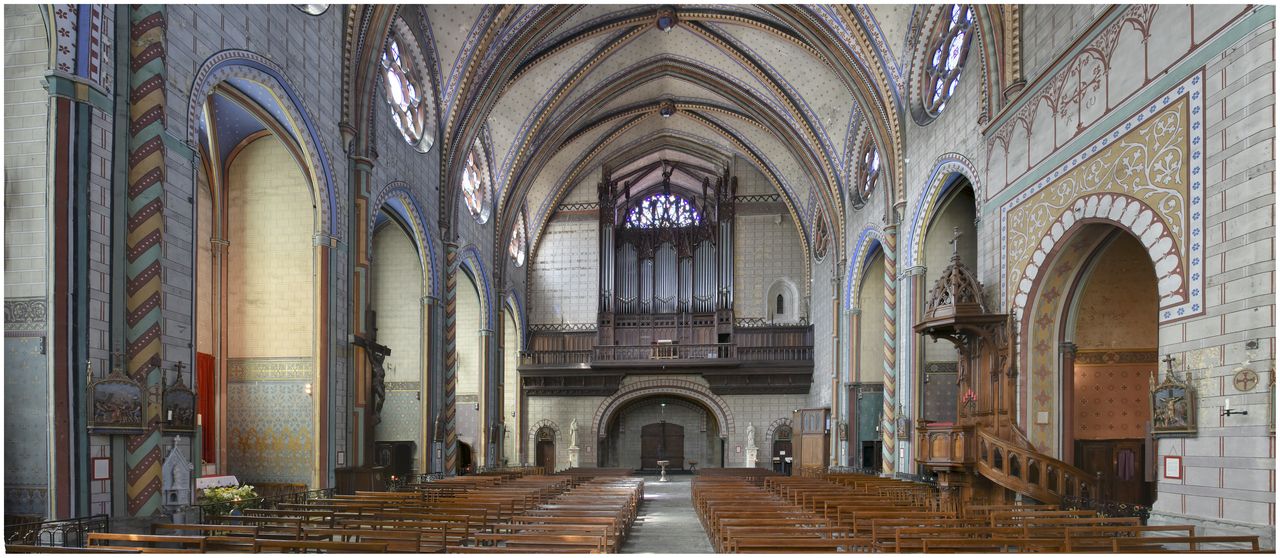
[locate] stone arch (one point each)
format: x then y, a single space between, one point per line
675 388
773 429
945 169
513 304
790 294
1126 213
470 262
869 241
252 67
411 212
545 423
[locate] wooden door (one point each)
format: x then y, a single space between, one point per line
1121 463
662 440
546 456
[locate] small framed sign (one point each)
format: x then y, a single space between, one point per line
1173 466
102 468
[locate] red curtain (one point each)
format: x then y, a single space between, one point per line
205 405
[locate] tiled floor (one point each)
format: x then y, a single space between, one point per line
666 523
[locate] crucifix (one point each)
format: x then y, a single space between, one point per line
376 354
955 242
1168 360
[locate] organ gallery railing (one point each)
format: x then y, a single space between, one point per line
658 342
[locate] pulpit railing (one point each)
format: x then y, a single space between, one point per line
1032 473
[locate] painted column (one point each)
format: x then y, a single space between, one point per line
427 391
888 427
145 230
1068 352
360 368
487 388
450 358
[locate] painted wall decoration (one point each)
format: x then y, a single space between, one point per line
1144 176
270 426
1173 405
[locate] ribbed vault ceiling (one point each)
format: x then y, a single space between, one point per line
584 97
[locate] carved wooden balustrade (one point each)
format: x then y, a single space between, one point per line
945 446
1030 472
773 343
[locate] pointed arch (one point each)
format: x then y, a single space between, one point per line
407 209
946 169
279 97
868 244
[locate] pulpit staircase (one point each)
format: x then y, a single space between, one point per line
984 448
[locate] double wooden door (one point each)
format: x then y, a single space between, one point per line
545 456
659 441
1122 464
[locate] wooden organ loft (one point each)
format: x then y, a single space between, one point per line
666 301
984 456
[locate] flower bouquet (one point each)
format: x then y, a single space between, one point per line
225 500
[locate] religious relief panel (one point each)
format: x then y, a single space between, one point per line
1145 176
1173 404
117 403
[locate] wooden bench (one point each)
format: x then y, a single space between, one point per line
34 549
591 544
326 546
148 543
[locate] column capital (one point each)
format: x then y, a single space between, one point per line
324 239
1067 348
486 332
915 270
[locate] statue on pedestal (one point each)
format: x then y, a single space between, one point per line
573 433
751 449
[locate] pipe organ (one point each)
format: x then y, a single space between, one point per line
666 264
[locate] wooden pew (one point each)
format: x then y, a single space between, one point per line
148 543
33 549
277 545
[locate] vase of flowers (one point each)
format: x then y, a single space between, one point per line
227 500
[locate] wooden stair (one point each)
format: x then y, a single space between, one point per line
1021 469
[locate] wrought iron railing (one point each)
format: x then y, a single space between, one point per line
58 532
205 510
1107 509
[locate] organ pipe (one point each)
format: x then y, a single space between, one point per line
672 271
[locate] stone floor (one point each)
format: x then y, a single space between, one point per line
666 523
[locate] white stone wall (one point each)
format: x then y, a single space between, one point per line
565 273
469 362
1050 28
270 269
1229 467
26 107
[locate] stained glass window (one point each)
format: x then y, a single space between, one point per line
475 185
517 247
404 94
663 210
869 171
946 57
821 237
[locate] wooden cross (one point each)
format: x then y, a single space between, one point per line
177 368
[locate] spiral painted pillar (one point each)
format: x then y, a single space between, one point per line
889 428
145 230
450 358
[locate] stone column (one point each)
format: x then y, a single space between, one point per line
888 427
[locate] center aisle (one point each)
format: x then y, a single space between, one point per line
666 523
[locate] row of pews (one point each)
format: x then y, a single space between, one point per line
863 513
522 513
